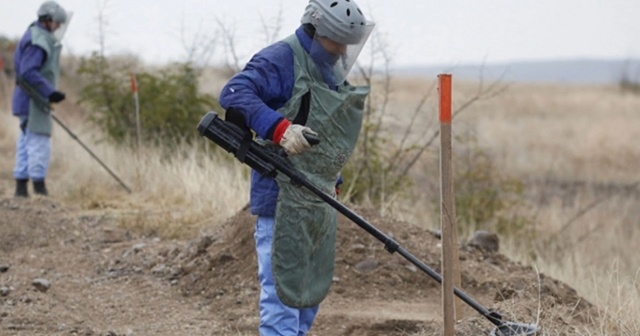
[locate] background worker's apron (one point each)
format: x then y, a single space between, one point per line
40 120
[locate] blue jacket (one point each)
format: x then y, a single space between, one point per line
263 86
27 60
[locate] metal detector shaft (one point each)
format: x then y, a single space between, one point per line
44 104
90 152
268 162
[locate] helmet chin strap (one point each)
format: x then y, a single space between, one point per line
345 62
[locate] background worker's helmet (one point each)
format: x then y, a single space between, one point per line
342 22
51 10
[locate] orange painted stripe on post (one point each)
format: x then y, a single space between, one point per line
444 87
134 88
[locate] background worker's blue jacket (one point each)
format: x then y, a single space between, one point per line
28 60
263 86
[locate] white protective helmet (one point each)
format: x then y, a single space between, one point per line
339 20
51 10
343 22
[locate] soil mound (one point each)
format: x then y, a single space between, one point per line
220 268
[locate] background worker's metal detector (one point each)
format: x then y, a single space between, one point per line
44 104
269 161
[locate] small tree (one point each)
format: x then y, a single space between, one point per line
485 197
379 170
170 102
7 48
630 78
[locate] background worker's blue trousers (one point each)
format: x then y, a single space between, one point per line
33 153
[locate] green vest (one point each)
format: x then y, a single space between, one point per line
303 249
40 119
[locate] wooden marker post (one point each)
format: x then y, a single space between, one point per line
6 92
452 308
136 101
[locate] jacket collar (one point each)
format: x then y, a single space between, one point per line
305 40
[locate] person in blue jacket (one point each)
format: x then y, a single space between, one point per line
37 70
288 90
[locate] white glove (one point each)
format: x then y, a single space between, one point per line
293 140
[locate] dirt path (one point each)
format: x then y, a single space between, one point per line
89 295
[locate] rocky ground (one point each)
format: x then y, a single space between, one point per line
70 271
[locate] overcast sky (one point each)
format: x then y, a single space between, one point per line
418 32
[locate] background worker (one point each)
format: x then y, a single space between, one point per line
37 65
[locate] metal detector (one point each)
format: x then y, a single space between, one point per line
270 160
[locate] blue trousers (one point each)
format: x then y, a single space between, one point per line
33 154
276 318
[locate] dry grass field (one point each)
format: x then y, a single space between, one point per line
572 147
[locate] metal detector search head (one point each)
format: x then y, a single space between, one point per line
515 329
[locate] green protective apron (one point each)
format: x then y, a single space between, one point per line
303 249
40 120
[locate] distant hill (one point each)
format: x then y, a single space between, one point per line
576 71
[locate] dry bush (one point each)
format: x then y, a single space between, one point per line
8 134
174 195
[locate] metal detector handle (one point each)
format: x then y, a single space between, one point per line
311 138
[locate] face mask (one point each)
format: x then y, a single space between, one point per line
321 56
59 33
344 56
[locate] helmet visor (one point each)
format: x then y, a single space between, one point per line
335 56
62 29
